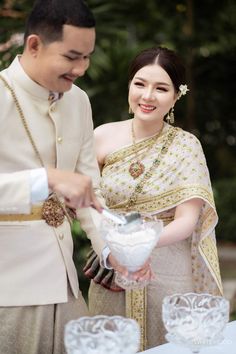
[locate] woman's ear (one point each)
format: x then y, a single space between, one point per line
176 97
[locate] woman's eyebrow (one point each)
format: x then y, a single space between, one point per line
157 82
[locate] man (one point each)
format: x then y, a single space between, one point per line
46 146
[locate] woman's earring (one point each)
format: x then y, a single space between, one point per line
171 116
130 110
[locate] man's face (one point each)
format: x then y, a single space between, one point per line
58 64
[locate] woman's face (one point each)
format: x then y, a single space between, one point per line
151 93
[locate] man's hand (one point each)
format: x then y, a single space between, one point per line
75 188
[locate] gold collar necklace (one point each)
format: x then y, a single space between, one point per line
137 168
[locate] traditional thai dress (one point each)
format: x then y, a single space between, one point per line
175 171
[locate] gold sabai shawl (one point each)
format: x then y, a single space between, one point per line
175 171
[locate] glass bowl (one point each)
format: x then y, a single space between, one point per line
102 335
195 320
131 246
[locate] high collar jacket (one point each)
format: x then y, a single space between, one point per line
36 259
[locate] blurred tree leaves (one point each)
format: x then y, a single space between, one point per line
225 202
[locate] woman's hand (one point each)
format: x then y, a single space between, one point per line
117 266
145 273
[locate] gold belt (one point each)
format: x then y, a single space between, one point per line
36 214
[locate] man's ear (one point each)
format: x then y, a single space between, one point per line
33 44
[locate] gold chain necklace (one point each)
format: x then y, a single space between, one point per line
53 210
137 168
170 135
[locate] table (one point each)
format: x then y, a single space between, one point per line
228 346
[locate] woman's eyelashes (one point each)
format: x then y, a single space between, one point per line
141 84
158 88
163 89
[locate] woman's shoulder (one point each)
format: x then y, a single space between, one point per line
186 136
108 129
110 137
188 143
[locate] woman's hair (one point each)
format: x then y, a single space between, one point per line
164 57
48 17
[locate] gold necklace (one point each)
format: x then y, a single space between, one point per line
170 135
53 210
137 168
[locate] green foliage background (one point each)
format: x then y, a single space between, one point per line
203 33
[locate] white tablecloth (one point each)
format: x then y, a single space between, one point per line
228 346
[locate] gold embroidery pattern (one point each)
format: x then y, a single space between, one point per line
169 199
127 152
139 187
136 304
208 250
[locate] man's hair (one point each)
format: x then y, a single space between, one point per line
48 17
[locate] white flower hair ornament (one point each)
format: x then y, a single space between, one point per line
183 89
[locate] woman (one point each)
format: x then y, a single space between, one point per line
149 166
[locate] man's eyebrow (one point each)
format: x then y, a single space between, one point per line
75 52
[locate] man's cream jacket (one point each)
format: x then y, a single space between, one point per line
36 259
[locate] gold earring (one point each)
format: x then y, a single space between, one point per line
130 110
171 116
